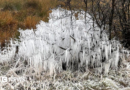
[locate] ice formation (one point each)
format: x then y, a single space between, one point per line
65 44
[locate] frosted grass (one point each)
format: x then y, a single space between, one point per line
62 44
81 46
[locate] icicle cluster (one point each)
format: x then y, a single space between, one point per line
8 52
65 44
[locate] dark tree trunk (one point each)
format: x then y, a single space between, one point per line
111 18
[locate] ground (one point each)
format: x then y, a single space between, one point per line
29 79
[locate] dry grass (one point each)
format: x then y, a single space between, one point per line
8 26
31 21
23 14
66 79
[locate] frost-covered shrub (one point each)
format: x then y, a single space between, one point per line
65 44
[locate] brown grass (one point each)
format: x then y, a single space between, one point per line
8 26
31 21
23 14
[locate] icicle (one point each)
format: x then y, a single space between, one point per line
67 57
110 50
106 52
88 44
83 57
116 57
107 67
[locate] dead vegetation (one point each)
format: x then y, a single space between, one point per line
15 14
